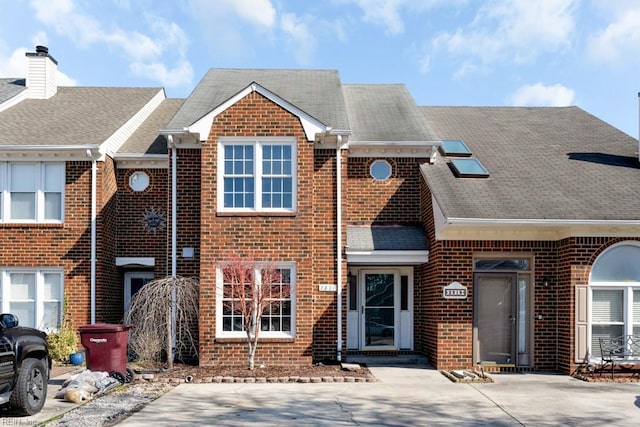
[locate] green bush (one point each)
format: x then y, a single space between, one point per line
62 344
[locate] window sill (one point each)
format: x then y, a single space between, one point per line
260 339
31 224
271 214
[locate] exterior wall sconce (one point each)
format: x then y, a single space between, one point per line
545 281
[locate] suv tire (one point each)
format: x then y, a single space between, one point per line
30 391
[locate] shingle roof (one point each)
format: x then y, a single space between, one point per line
384 113
386 238
74 116
10 88
147 139
316 92
544 163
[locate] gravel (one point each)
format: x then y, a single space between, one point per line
113 407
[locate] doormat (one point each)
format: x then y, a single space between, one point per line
467 376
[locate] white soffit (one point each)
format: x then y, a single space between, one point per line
387 257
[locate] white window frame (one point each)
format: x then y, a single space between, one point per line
627 308
39 312
40 179
220 333
257 174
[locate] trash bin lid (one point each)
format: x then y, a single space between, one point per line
103 327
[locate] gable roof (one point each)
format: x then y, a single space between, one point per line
10 88
316 92
384 112
545 164
80 116
147 139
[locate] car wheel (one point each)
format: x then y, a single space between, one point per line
30 391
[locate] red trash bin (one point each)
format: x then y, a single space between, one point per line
106 348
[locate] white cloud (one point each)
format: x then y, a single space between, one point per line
145 51
302 40
545 96
15 66
511 31
388 13
620 37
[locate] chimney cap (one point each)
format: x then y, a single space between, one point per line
42 51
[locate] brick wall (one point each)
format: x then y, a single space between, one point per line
393 201
286 238
59 245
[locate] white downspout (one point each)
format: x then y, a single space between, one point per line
174 207
339 243
94 177
174 234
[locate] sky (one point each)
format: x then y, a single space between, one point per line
447 52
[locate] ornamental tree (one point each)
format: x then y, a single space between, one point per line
250 289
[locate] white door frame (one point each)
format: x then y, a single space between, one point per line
127 283
403 319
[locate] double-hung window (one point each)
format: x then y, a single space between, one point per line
257 174
274 289
32 192
35 296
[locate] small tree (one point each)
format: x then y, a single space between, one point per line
250 289
152 313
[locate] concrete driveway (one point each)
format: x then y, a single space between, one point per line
407 395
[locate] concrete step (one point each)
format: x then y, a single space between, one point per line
387 360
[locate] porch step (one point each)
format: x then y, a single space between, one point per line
387 360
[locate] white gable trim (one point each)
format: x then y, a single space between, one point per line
311 126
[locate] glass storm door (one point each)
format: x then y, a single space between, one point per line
133 282
495 318
379 319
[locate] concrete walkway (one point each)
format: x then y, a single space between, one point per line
406 395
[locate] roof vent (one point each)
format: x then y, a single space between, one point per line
42 50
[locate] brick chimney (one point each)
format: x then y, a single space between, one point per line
42 70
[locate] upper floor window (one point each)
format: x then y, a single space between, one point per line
257 174
35 296
32 192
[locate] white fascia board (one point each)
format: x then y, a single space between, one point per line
48 152
112 144
387 257
147 161
529 230
405 149
311 126
14 100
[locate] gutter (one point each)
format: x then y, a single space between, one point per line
533 221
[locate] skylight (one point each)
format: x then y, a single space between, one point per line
468 168
454 147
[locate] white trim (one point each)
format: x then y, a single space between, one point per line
258 143
141 161
397 149
220 333
202 126
141 261
112 144
387 257
127 284
38 299
20 96
58 153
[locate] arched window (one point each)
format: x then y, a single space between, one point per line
615 294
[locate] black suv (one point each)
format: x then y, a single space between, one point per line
24 366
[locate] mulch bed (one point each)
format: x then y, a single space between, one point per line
240 374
